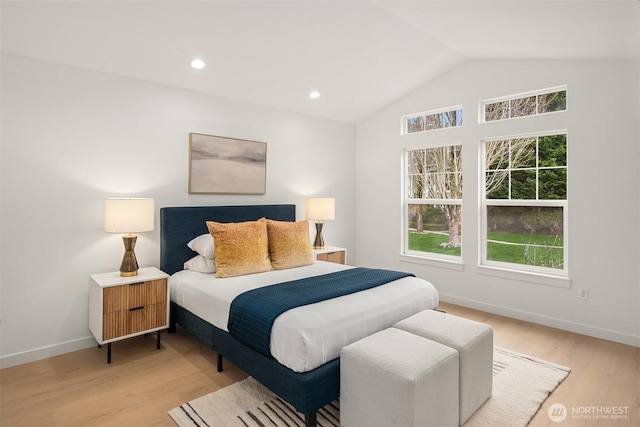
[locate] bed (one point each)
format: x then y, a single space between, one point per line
307 386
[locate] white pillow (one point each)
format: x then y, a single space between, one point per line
203 244
200 264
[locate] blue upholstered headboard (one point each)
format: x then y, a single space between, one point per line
178 225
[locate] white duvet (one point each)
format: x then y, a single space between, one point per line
306 337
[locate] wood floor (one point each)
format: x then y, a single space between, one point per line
142 383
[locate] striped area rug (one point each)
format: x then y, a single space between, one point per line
520 385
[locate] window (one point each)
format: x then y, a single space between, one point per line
530 104
433 202
525 203
438 119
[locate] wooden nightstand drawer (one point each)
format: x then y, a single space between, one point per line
331 254
337 257
135 319
138 294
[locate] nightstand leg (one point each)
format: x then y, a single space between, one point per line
158 341
108 352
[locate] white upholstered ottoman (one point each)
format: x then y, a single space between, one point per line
474 342
395 378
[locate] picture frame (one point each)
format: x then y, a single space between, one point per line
223 165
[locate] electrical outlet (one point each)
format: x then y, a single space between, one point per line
583 294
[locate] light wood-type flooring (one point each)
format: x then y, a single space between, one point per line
142 383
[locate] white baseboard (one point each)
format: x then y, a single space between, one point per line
45 352
579 328
565 325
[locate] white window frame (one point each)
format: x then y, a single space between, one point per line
404 119
428 258
484 103
545 275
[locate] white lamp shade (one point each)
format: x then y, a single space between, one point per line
320 208
128 215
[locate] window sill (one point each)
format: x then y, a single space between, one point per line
540 279
433 262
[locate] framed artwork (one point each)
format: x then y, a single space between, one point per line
220 165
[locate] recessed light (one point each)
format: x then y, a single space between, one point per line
314 94
198 64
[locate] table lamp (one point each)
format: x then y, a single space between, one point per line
320 209
128 216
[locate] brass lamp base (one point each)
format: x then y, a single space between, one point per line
129 265
319 242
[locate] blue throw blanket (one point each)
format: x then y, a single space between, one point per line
252 313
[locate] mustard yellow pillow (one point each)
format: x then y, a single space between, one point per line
289 244
240 248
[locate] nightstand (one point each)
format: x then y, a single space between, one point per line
125 307
331 254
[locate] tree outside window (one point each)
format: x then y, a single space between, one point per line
423 122
531 105
434 201
525 202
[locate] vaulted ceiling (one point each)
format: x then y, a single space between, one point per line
360 55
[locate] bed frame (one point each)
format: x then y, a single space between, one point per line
306 392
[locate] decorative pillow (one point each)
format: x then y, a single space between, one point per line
289 244
203 244
201 264
241 248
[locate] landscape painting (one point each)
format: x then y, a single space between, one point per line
220 165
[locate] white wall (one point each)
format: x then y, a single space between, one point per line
72 137
603 155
